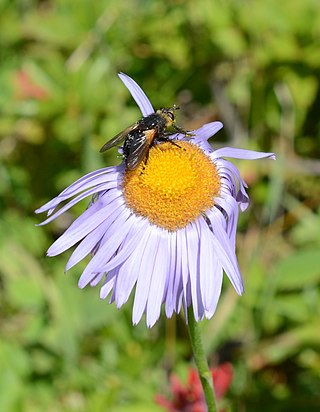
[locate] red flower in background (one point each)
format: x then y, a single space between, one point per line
27 88
189 397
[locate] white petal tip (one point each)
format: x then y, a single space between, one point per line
81 284
52 252
219 125
135 321
240 292
103 294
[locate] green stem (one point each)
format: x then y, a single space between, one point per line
201 361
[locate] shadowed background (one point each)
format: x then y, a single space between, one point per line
253 65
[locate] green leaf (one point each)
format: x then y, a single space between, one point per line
299 270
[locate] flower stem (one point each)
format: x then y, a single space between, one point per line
201 361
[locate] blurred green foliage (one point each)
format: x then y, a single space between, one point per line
253 65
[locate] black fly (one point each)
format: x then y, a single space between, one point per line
142 135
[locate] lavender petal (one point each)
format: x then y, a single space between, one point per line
138 94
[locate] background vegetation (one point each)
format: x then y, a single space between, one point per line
255 65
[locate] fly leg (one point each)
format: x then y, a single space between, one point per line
166 138
182 131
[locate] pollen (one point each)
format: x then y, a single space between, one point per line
177 183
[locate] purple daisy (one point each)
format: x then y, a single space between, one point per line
166 229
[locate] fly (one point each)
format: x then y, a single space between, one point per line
145 133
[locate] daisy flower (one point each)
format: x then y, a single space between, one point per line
166 230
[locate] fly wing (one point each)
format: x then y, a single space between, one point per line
139 147
119 138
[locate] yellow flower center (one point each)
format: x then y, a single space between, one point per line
174 186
